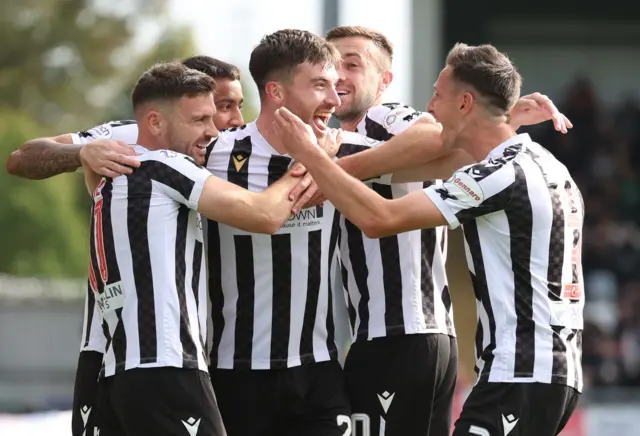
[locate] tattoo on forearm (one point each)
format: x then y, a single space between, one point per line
40 160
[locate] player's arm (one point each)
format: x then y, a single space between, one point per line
194 186
440 168
419 144
42 158
537 108
263 212
468 194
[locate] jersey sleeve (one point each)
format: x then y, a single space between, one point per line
473 191
178 175
395 118
124 130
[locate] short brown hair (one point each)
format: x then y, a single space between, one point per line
213 67
379 40
280 52
489 72
170 81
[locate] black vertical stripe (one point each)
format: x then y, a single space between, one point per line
391 273
375 130
196 267
245 276
189 350
139 195
556 248
520 218
107 345
357 257
238 173
333 246
559 350
481 290
281 303
556 237
278 166
119 342
239 158
428 246
91 302
313 295
216 295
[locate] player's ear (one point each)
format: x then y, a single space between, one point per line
156 122
467 102
387 78
275 91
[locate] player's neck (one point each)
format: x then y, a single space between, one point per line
148 142
351 125
264 124
481 139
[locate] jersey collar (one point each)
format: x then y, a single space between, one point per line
522 138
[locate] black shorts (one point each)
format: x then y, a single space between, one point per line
83 416
516 409
404 383
158 401
306 400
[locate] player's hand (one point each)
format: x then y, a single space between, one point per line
330 141
109 158
537 108
292 133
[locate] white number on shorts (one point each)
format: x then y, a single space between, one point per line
362 418
344 419
479 431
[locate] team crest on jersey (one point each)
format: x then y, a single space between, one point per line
464 188
239 159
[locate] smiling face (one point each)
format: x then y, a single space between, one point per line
310 94
228 99
189 126
362 76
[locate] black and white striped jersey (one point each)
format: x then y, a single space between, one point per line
522 217
397 284
147 269
271 296
127 131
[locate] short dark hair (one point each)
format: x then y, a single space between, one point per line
213 67
280 52
489 72
169 81
379 40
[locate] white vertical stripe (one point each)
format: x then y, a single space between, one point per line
161 227
500 282
410 250
542 219
299 246
320 350
263 302
230 289
375 283
192 298
119 224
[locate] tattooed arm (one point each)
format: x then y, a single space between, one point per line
45 157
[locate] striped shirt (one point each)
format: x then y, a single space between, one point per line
147 264
396 285
271 296
522 217
127 131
